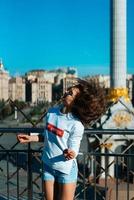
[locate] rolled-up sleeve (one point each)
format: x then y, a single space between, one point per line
76 137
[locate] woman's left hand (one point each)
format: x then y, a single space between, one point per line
69 154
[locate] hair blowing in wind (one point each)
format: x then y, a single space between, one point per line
91 103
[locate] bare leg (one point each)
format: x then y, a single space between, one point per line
67 191
49 190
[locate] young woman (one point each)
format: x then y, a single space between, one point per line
81 104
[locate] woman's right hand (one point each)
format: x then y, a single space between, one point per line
69 154
23 138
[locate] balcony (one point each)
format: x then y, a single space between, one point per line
105 161
106 166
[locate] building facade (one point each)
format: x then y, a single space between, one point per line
17 89
38 90
4 79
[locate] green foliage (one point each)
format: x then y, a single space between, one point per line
20 104
40 108
5 109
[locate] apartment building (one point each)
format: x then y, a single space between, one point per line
45 85
44 92
38 90
4 78
17 88
47 75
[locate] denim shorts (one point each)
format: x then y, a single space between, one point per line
54 175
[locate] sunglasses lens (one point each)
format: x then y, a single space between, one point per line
68 93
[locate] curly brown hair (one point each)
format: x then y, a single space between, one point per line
91 103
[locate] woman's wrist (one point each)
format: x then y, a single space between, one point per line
34 138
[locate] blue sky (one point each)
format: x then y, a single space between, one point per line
47 34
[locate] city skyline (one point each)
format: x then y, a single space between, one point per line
47 35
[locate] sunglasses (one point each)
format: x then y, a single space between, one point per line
67 93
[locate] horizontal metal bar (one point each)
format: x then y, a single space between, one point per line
21 130
81 153
20 150
109 131
111 154
87 131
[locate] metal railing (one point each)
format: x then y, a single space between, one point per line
105 161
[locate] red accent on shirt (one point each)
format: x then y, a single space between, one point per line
55 130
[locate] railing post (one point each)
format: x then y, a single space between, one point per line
128 177
17 177
30 188
117 182
94 173
8 175
84 175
